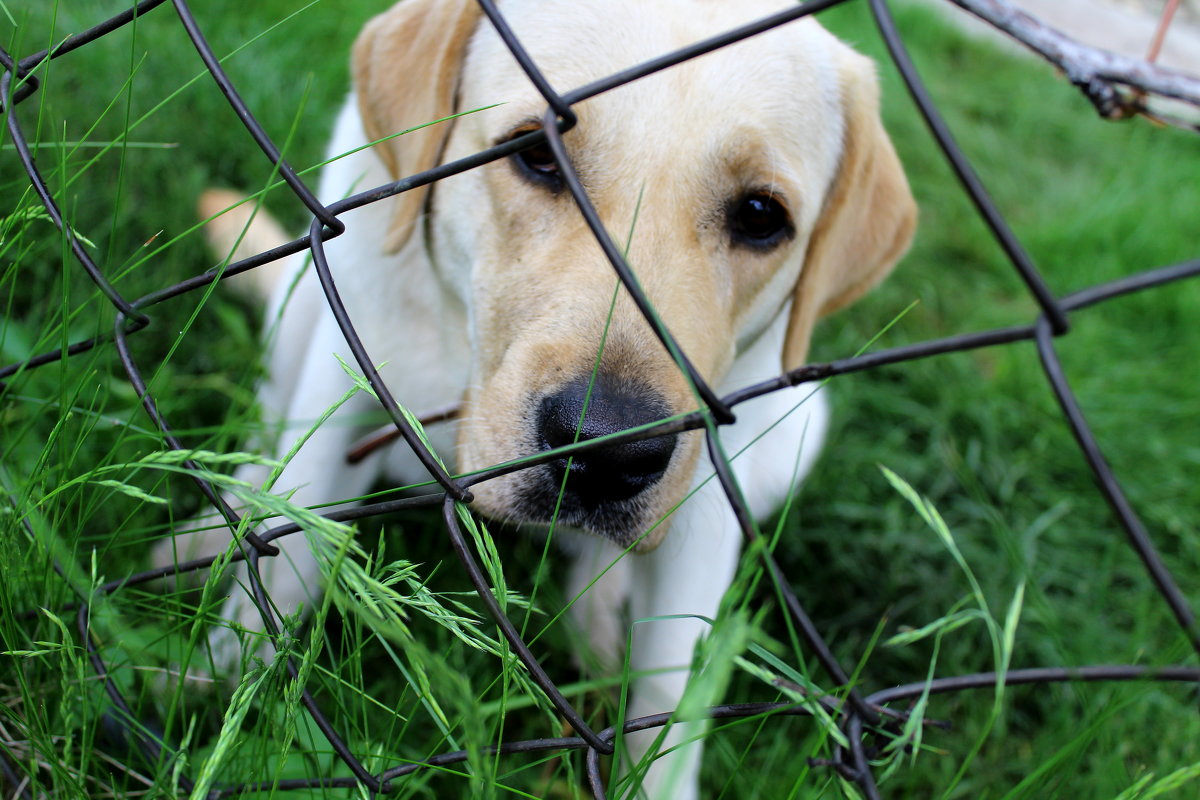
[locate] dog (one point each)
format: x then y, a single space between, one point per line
758 192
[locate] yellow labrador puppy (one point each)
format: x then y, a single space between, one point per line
758 192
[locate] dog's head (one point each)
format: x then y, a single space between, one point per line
755 186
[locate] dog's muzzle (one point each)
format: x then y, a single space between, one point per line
603 488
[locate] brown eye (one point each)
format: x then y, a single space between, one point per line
538 159
536 163
759 220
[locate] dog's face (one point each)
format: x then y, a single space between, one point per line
750 183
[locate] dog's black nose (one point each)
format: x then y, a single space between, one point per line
616 472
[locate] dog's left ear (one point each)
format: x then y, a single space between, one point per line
406 65
868 219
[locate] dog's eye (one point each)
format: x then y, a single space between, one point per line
759 220
536 164
539 159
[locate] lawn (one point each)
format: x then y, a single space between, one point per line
128 130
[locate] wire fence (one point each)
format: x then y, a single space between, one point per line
863 711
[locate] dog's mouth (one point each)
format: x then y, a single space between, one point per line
615 488
621 521
601 489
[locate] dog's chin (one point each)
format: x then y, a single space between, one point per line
531 498
620 522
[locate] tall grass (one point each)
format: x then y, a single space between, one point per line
1020 566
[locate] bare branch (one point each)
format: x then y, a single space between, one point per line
1106 78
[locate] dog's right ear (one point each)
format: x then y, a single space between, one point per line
868 219
406 65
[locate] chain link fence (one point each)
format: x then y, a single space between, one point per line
862 712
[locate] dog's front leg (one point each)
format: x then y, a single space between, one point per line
599 584
315 473
687 576
772 447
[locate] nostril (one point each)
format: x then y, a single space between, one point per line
616 472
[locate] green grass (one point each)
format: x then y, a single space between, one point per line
977 434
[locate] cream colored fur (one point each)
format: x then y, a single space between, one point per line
500 295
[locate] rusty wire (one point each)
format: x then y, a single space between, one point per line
858 712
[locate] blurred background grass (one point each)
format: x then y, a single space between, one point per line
978 433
